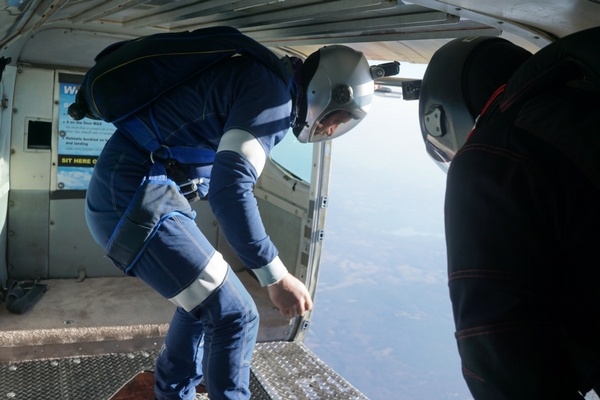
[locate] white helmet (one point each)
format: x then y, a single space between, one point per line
337 91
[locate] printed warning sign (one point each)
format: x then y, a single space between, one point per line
79 142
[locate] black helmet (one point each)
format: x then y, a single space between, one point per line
459 80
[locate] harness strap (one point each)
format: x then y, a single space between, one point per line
491 103
147 139
157 198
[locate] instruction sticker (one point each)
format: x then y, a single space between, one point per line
79 142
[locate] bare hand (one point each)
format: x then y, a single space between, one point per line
290 296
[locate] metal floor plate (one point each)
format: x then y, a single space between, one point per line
289 371
76 378
280 371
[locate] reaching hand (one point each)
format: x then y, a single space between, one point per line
290 296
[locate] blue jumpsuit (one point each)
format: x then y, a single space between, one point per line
214 329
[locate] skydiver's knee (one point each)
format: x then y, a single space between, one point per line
230 305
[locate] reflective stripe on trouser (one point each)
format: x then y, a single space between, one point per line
215 340
173 260
224 320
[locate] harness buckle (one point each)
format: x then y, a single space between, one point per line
163 149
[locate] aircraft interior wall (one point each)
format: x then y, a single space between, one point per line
6 94
28 213
47 233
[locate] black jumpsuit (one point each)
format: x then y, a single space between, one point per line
523 235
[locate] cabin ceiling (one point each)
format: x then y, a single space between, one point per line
64 32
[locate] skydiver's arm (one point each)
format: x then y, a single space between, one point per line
239 161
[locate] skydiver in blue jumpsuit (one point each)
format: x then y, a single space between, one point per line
238 110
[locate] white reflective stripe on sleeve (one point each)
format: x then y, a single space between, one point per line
271 273
211 278
244 143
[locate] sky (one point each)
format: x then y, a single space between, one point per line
382 316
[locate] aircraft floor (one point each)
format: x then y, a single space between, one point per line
81 378
104 315
280 371
85 340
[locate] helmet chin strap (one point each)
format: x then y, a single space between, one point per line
299 122
301 105
294 66
301 110
296 69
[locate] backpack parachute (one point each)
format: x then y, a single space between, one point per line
129 75
573 58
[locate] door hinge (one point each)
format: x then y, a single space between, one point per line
305 325
324 202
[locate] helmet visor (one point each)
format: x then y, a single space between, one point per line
439 156
333 124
